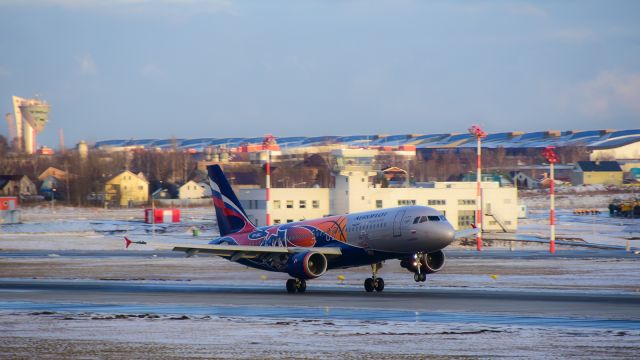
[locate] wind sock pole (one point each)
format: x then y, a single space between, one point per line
477 132
552 158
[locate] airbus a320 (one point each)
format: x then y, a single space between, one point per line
415 235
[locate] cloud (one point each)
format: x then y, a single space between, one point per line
131 6
573 35
608 94
151 71
512 8
525 9
86 64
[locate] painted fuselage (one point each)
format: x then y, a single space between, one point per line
364 238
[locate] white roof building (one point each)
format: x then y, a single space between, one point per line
191 190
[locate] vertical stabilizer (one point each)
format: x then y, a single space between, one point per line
230 215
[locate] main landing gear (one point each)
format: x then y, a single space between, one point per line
296 285
374 282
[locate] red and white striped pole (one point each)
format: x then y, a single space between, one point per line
477 132
552 158
268 187
552 212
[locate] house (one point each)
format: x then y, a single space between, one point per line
597 172
17 185
524 181
191 190
163 190
56 173
127 189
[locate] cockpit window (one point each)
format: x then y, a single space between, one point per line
415 221
443 218
434 218
423 219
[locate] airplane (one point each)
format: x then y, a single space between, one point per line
416 235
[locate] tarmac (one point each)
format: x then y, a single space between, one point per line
576 303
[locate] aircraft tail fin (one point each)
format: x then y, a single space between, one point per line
229 212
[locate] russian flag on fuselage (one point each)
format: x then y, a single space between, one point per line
230 215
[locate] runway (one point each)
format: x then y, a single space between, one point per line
74 303
617 311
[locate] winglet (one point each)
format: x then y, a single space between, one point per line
127 242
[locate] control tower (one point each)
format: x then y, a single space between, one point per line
31 116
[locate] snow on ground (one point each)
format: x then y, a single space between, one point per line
577 197
44 335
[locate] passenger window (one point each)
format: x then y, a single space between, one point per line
423 219
434 218
415 221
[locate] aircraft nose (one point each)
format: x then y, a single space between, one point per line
447 235
439 238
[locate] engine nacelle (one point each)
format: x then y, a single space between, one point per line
307 265
433 262
428 263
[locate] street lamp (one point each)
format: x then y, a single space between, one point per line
478 133
552 158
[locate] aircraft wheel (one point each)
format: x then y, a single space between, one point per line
291 286
416 277
379 284
423 277
368 285
301 286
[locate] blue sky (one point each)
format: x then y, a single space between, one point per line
205 68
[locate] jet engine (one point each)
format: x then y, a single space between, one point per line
307 265
432 262
428 263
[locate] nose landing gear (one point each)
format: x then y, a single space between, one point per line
420 277
374 282
417 265
296 285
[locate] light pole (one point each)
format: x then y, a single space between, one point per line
478 133
267 143
53 196
552 158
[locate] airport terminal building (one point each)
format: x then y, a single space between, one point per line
354 192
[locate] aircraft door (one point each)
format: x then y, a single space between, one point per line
397 223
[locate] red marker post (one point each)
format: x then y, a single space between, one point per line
552 158
478 133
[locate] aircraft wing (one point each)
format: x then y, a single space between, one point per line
236 252
467 233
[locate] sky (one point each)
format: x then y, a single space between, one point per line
122 69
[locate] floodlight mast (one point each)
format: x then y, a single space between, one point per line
552 158
478 133
267 142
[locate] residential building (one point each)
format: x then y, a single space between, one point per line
17 185
127 189
191 190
